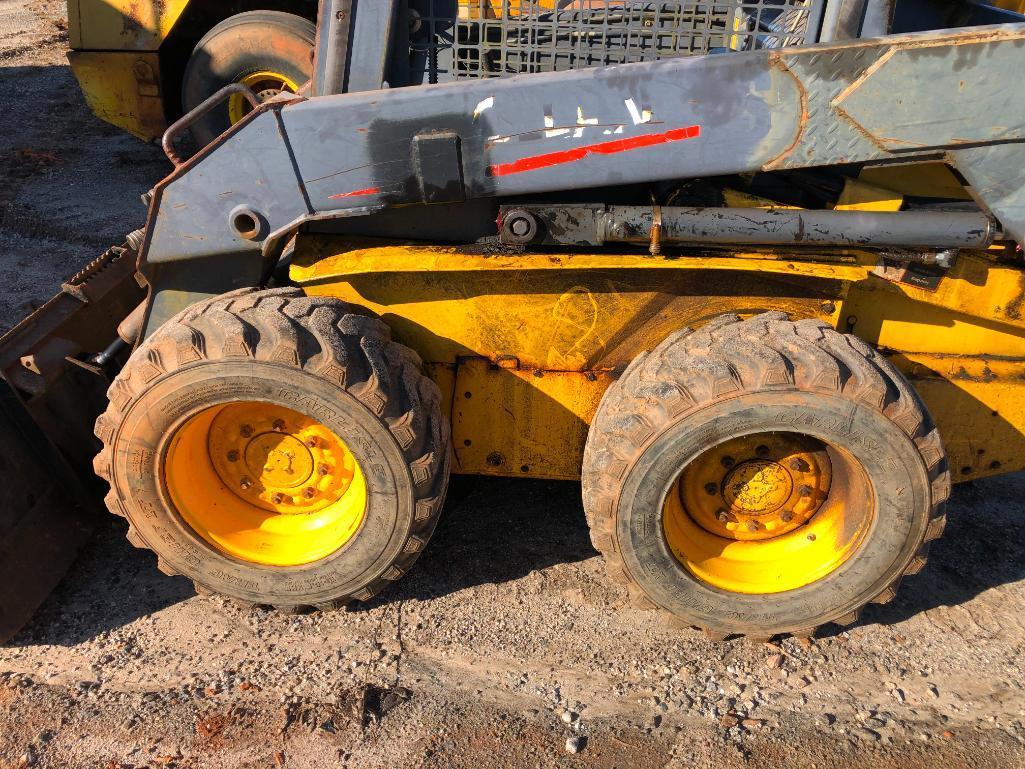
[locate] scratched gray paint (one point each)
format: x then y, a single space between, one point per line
756 110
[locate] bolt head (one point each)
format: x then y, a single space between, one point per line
762 451
309 492
811 537
728 461
806 491
233 456
311 443
245 431
245 483
323 470
795 465
722 516
711 488
279 425
752 526
277 499
786 516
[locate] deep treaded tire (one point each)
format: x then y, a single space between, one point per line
308 353
699 388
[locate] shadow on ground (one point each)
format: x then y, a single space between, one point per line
500 530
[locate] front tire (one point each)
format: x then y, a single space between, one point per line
763 476
276 448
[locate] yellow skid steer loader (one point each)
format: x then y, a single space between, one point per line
750 269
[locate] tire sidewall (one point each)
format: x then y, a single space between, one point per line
241 48
899 483
140 450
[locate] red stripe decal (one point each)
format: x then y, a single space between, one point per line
355 193
537 162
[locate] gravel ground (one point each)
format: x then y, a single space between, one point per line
506 646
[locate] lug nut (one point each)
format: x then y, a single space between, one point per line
311 443
245 483
721 516
805 491
279 425
728 462
795 465
309 492
277 499
323 470
762 451
752 526
246 431
711 488
233 456
786 516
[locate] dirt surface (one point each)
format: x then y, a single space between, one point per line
505 640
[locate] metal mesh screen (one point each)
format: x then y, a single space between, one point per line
493 38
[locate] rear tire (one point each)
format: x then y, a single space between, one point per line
838 431
292 354
237 50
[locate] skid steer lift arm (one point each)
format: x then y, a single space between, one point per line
219 222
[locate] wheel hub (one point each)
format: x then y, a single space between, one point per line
265 484
757 487
265 85
279 460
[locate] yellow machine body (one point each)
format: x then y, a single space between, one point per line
115 56
523 346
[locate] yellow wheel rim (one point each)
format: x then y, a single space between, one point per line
767 513
265 484
264 84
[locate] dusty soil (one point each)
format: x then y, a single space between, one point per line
504 641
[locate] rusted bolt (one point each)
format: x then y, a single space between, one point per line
752 526
245 483
796 465
311 443
279 425
828 307
323 470
811 537
762 451
728 461
245 431
786 516
233 456
721 516
805 491
711 488
495 459
278 498
309 492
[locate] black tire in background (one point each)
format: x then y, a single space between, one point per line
239 46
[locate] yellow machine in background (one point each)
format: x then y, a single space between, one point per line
141 65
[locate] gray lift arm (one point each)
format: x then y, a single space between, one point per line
219 221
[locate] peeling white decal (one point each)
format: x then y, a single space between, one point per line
485 104
639 116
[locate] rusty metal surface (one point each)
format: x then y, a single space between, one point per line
42 516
